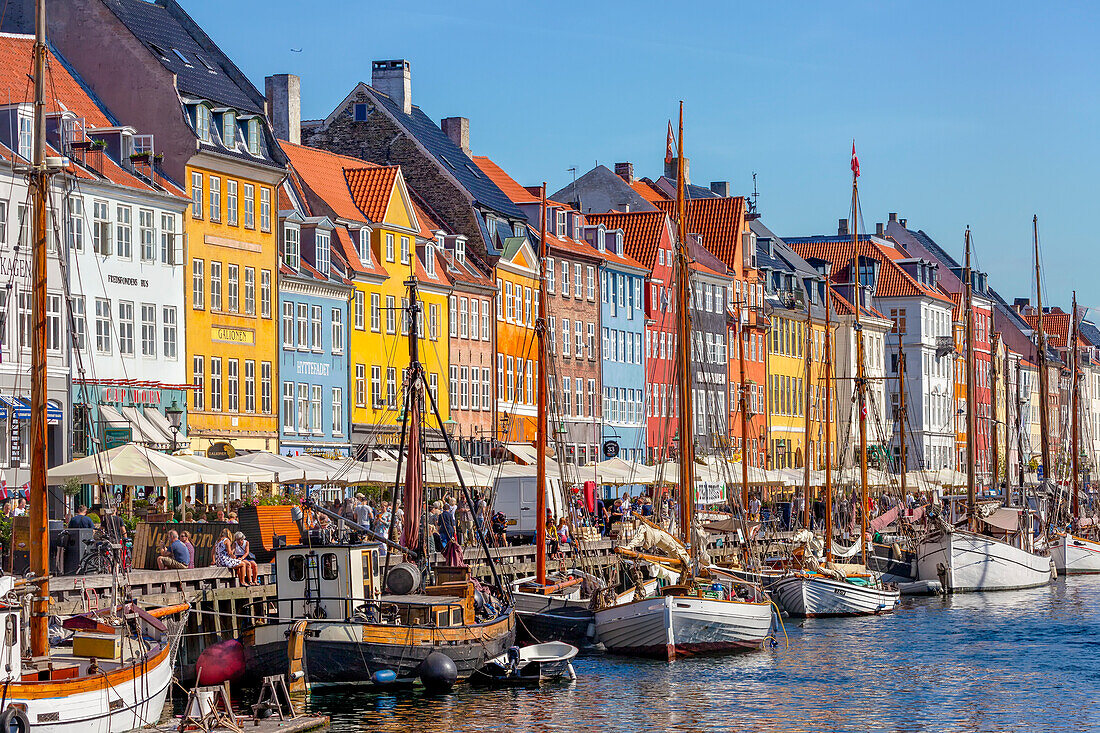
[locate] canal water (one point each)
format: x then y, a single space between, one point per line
1015 661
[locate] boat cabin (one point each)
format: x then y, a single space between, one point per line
328 581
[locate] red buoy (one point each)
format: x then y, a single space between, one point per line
220 663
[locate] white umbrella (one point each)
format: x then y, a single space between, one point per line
235 472
134 465
287 471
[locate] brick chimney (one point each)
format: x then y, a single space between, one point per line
625 171
842 228
458 129
893 216
878 229
722 188
284 106
394 79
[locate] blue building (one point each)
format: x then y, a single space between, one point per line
623 358
314 297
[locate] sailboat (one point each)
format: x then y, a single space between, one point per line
557 608
356 616
110 679
697 615
1072 553
840 589
966 560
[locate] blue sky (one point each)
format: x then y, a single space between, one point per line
963 113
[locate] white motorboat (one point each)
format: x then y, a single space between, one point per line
811 595
964 562
530 664
682 622
1075 555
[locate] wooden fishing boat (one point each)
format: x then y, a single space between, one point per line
1075 555
700 614
811 595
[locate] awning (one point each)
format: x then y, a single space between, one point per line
112 417
1004 518
524 452
144 432
21 408
159 421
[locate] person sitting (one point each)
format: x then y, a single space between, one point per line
185 538
81 520
241 550
177 557
224 557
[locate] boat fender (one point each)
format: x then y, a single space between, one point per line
438 672
384 677
220 662
14 720
479 602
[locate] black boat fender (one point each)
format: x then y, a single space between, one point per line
438 672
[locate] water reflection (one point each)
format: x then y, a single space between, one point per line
1016 661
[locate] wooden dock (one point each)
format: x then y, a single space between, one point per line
268 725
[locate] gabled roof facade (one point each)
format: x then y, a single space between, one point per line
719 222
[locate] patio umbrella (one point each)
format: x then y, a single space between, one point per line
134 465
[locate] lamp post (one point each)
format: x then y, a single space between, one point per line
175 417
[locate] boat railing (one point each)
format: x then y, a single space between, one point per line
428 611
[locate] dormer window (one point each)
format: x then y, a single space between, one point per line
26 136
460 249
254 136
576 226
560 229
618 243
429 257
291 246
364 245
323 248
491 225
229 129
202 122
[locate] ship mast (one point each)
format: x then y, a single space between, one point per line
744 405
1041 358
971 391
828 488
861 386
807 452
901 411
687 426
38 497
1075 484
540 429
994 448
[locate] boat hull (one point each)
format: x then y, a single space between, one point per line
817 596
678 626
965 562
122 700
350 653
1076 555
565 618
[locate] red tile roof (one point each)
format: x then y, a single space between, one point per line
642 231
719 222
511 188
1056 325
371 189
845 308
893 281
648 192
63 92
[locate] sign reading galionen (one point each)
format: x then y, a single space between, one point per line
229 335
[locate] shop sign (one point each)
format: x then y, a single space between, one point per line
129 396
221 451
229 335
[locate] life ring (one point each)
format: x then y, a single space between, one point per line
14 720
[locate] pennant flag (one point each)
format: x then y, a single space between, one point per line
670 144
855 160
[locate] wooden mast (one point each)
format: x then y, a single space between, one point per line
744 406
38 497
1008 437
687 426
901 410
1075 484
861 403
994 448
1041 360
971 392
807 451
828 488
540 427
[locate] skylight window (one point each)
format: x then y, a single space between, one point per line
180 56
209 66
473 170
159 51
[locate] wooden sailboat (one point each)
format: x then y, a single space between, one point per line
356 617
1073 553
841 589
697 615
1004 557
62 687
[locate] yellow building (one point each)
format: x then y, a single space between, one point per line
382 238
232 257
789 345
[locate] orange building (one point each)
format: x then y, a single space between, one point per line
517 306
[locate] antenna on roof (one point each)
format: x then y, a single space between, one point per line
574 198
755 195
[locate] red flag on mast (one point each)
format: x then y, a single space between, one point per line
855 160
670 144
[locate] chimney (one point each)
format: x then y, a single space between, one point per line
893 216
878 229
625 171
904 223
842 228
284 106
670 170
394 79
458 129
722 188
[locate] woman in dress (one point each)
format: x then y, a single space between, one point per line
224 557
241 551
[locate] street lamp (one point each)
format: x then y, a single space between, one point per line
175 418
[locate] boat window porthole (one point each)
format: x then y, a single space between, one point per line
296 568
329 566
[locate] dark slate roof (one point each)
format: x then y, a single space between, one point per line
450 157
1089 332
940 253
164 25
